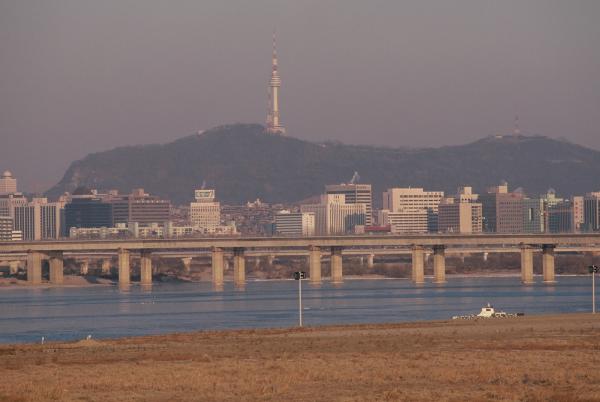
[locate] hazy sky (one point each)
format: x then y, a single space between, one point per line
80 76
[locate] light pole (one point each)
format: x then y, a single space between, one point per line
299 276
593 270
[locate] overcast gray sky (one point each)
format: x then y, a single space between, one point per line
81 76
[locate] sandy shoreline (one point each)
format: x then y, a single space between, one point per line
534 358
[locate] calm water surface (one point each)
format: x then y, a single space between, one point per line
108 312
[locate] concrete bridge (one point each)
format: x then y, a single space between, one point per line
313 247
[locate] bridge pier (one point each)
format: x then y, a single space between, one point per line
418 264
314 264
105 267
526 264
145 267
217 266
124 267
84 267
239 267
337 275
56 267
439 264
548 263
370 261
187 264
34 268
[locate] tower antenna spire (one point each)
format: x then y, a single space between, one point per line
516 129
274 125
274 51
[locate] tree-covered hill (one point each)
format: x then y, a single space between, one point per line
243 163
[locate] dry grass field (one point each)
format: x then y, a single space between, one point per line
542 358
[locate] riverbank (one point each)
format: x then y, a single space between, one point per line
86 281
535 358
69 281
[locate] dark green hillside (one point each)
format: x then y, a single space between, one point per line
242 163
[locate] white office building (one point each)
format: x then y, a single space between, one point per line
334 217
8 203
354 194
6 228
289 223
406 199
410 210
405 221
205 212
39 219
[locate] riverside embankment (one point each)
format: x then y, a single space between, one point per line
553 357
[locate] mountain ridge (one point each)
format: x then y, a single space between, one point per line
243 163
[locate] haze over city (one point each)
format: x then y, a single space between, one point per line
277 200
82 76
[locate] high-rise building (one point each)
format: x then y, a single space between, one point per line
333 216
550 198
87 211
455 216
6 228
410 210
398 199
39 219
534 215
354 194
140 207
205 212
405 221
535 211
8 203
274 125
502 211
8 184
560 218
591 212
465 194
578 218
289 223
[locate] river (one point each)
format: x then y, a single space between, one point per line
72 313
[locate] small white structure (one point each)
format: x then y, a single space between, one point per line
489 312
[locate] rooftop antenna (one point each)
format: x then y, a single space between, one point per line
203 185
355 178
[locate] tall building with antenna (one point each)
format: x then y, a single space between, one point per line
274 125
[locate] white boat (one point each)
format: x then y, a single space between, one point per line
487 312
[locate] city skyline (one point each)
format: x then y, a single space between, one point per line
72 87
429 165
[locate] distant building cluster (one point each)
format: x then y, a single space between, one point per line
347 209
342 209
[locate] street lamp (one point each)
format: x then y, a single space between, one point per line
299 276
593 270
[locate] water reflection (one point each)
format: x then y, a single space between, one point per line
146 288
124 287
